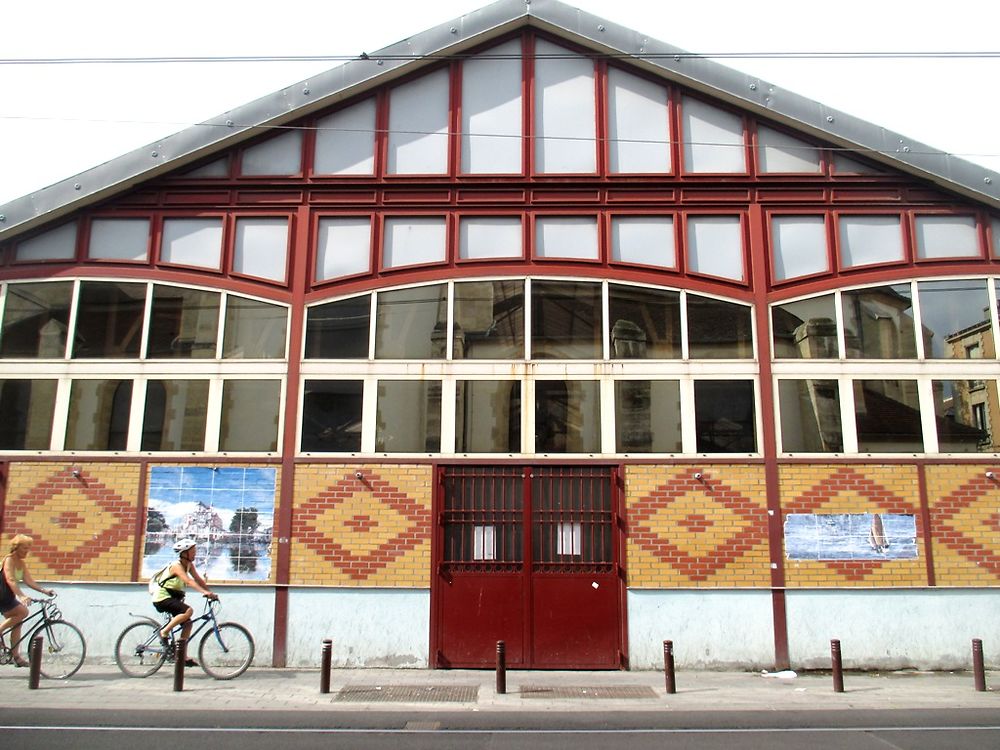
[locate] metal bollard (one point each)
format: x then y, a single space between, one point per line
180 656
34 662
501 668
977 665
838 667
668 666
324 677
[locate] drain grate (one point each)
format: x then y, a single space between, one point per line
407 694
628 692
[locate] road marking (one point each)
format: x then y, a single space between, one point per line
344 730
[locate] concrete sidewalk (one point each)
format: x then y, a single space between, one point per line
103 687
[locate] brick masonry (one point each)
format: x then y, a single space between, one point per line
369 531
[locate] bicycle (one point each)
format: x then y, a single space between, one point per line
225 652
64 647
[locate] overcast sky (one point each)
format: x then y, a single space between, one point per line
58 120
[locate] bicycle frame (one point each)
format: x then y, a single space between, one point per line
47 613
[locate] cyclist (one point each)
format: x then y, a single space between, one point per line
13 602
172 581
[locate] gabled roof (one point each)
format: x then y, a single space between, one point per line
744 91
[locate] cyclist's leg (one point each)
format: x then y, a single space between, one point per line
180 613
12 620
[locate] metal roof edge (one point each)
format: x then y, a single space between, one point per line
299 99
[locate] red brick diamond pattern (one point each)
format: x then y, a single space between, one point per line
66 539
953 519
846 481
697 526
361 528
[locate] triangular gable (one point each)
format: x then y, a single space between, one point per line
758 97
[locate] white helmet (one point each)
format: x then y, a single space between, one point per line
182 545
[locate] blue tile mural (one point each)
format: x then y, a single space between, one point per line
229 510
850 536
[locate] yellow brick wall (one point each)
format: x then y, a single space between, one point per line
372 531
835 489
82 517
685 531
965 523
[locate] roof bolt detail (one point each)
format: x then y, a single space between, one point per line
4 218
906 149
380 62
453 30
987 180
601 27
753 86
229 123
155 154
305 92
77 186
829 118
677 58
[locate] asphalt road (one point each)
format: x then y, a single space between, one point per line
952 729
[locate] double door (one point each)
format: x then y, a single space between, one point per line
531 556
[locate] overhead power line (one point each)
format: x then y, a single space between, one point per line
758 55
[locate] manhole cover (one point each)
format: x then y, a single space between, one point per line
634 692
407 694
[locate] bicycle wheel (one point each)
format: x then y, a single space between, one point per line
138 652
63 648
226 652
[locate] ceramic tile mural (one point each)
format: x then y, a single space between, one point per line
850 536
228 509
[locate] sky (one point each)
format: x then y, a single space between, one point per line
59 120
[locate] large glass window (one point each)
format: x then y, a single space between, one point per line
645 323
408 416
718 329
566 320
947 237
491 111
109 320
724 416
565 111
418 126
484 237
26 409
715 246
344 247
810 416
249 419
955 318
806 329
412 323
192 242
866 240
778 152
638 125
345 141
488 416
647 416
339 330
35 320
279 156
331 416
261 247
175 415
412 240
567 416
184 323
645 240
254 329
119 239
964 411
713 139
566 237
98 416
55 244
799 246
887 415
489 320
878 323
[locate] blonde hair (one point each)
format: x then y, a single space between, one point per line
18 540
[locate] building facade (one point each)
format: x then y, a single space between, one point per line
516 331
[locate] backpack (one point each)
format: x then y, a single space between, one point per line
155 584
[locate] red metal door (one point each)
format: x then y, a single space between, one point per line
529 556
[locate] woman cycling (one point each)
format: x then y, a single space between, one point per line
13 603
172 581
